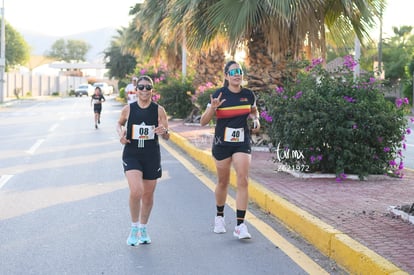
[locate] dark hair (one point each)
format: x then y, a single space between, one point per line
145 77
99 88
226 70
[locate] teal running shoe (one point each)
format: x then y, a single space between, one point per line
143 236
133 237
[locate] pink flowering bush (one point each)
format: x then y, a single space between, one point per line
169 89
158 74
333 123
202 94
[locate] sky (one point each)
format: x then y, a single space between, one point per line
397 13
61 17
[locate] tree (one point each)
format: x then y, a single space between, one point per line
69 51
119 64
77 49
17 49
160 28
276 31
397 52
150 37
398 56
272 31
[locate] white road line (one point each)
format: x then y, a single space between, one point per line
4 179
35 146
53 127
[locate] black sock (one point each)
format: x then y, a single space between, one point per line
240 216
220 210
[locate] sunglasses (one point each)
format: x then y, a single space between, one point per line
141 87
234 72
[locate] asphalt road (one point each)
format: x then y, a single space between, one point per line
64 205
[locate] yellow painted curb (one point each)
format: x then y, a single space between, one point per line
350 254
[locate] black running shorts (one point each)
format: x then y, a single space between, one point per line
97 108
223 152
150 165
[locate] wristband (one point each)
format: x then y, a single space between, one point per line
255 122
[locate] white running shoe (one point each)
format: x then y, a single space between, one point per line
241 232
219 225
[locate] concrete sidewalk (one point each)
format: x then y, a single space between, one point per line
347 221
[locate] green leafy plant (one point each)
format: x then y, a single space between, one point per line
202 95
122 93
175 96
332 122
202 99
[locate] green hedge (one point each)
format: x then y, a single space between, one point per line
175 97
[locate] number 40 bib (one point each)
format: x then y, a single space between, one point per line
234 134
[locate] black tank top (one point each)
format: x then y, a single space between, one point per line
140 125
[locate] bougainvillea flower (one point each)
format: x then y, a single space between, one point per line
279 89
298 95
266 116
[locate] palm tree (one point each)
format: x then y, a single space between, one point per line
149 38
278 30
273 31
206 56
159 30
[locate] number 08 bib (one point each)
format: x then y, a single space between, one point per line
143 132
234 134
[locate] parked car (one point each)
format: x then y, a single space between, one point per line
106 89
84 89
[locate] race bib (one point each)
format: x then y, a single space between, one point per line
143 132
234 134
132 97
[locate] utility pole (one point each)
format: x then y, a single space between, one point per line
2 54
184 55
380 48
357 57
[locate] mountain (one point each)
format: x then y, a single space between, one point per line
98 39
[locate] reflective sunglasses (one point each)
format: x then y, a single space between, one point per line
141 87
234 72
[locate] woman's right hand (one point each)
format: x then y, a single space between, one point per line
122 136
216 102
